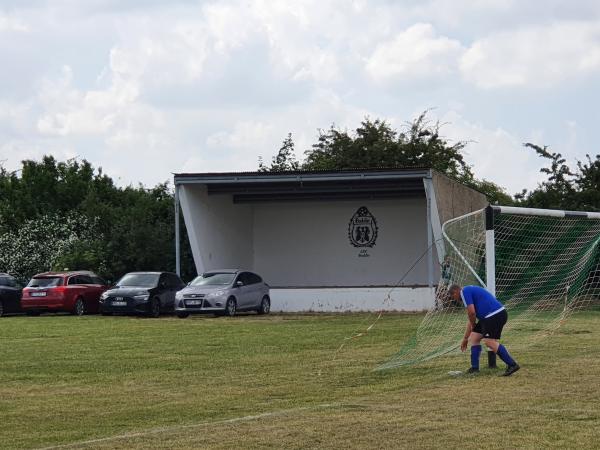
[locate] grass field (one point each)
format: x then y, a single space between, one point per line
271 382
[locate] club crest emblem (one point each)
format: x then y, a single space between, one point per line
362 230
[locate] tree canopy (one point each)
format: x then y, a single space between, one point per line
133 227
564 188
375 144
58 214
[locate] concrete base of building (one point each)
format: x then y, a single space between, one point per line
352 299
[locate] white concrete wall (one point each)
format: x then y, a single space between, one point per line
221 233
351 299
303 251
306 244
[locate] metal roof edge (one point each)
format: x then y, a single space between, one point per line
260 177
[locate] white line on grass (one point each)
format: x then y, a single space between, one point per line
158 430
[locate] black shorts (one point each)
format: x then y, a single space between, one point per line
492 326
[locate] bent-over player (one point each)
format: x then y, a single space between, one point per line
491 317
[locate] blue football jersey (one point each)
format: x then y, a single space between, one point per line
486 305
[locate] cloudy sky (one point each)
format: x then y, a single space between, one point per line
145 88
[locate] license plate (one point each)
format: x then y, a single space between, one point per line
193 302
119 303
38 294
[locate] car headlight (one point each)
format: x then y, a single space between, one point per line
141 296
215 294
179 295
104 296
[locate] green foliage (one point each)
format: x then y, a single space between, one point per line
41 244
495 194
564 189
555 193
587 184
285 160
133 227
376 144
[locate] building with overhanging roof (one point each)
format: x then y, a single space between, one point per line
326 240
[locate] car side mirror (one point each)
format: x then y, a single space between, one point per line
238 283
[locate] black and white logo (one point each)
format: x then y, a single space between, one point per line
362 230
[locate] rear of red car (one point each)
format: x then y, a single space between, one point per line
74 292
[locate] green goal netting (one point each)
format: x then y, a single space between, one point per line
542 264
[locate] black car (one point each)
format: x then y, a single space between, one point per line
10 295
147 293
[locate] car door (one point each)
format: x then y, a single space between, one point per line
91 292
10 293
163 291
254 293
174 284
75 289
242 293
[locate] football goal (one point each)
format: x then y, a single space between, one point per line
542 264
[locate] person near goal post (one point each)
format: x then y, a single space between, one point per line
486 319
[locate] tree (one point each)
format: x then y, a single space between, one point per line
495 194
376 144
587 182
558 191
39 244
285 160
133 226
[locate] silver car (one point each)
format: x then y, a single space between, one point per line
223 292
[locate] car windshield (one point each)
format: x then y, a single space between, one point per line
139 279
7 281
213 279
45 282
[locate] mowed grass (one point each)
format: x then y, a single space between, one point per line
272 382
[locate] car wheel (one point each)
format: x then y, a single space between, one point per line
265 306
182 315
230 307
1 309
79 309
155 307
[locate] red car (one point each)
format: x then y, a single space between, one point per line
74 292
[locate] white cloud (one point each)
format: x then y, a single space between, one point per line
246 134
175 53
70 111
539 56
415 53
12 24
159 87
495 154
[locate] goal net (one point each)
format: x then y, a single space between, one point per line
541 264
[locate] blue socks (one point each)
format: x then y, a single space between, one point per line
504 356
475 352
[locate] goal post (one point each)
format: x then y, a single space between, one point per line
541 264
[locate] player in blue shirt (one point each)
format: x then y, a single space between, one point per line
491 317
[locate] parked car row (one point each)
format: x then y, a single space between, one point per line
223 292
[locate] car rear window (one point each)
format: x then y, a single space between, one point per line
45 282
98 280
213 279
139 280
8 281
